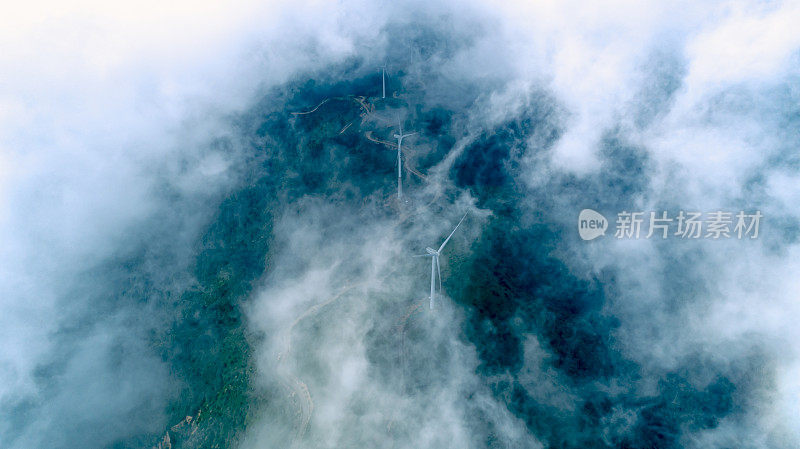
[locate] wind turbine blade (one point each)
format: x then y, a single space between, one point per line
421 255
440 273
451 234
409 134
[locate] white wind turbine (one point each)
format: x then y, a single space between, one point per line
399 136
383 79
434 254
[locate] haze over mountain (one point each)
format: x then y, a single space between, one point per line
202 244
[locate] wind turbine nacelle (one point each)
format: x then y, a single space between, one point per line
397 136
431 251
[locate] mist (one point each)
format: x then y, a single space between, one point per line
203 244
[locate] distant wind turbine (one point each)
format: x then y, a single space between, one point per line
383 79
399 136
434 254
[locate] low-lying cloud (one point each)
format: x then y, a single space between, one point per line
146 170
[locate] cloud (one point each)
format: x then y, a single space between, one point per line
133 135
114 139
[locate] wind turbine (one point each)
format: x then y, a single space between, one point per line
399 136
434 254
383 79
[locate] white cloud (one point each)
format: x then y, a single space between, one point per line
103 104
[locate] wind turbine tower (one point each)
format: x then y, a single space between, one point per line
383 79
400 136
434 254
